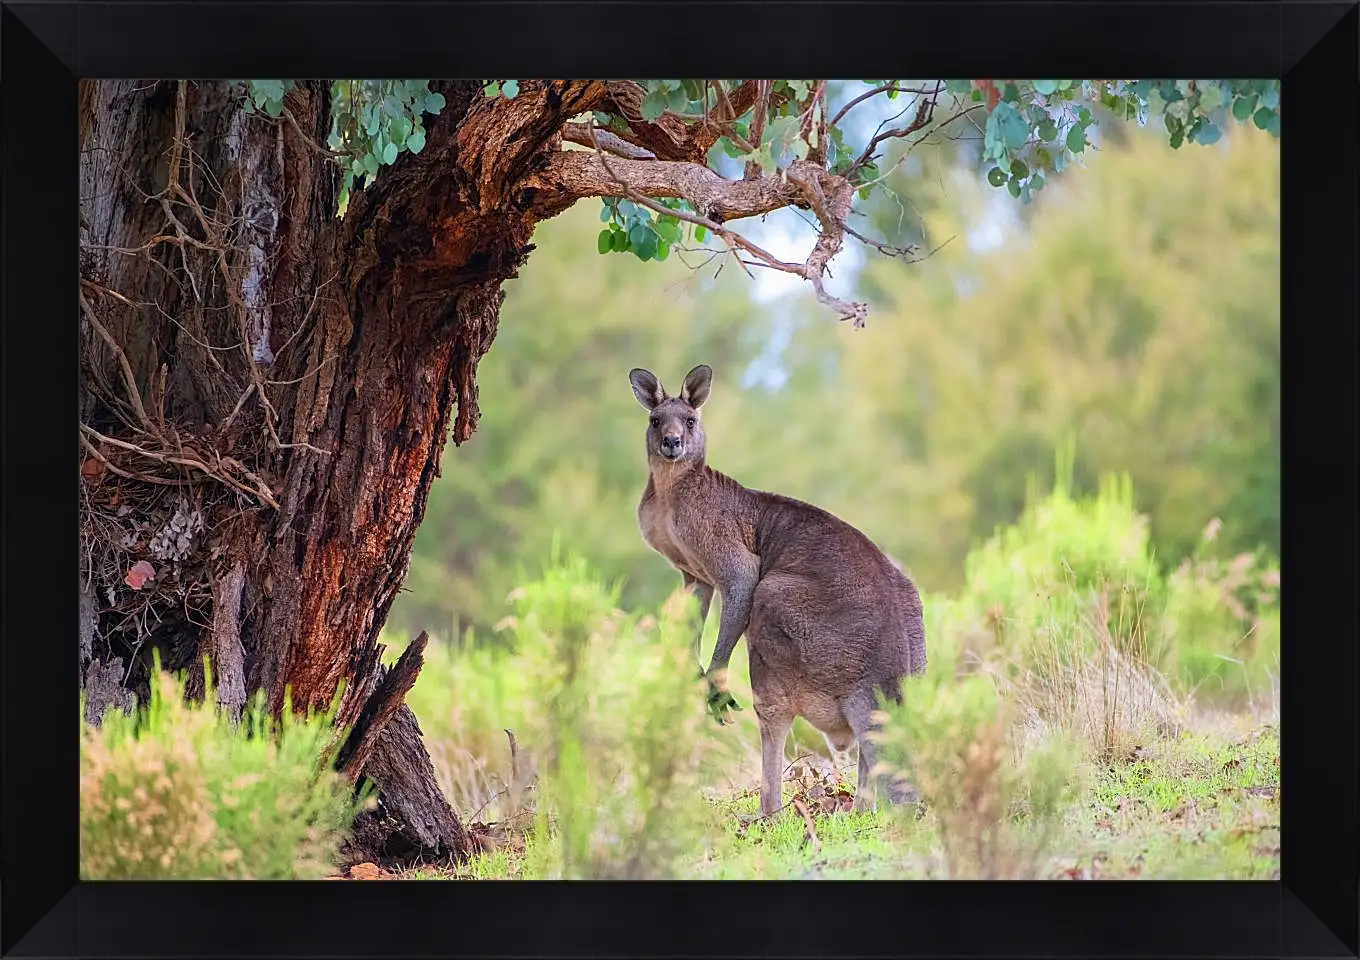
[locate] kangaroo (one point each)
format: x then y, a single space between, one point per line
829 620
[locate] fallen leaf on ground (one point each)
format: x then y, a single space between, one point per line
364 871
140 573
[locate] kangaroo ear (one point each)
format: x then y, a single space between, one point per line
697 383
646 387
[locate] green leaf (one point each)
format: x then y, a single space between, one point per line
434 103
1013 187
399 130
389 155
996 176
646 247
1273 127
1019 170
1045 87
677 100
1244 107
1043 159
1048 129
371 164
1014 130
619 241
605 241
1177 138
416 141
663 250
606 213
1064 84
1262 117
1206 132
1210 96
700 233
1010 93
274 108
510 88
668 229
653 105
958 87
1076 138
1270 96
492 89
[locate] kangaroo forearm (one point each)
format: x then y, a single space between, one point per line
704 592
736 613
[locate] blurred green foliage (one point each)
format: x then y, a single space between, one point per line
180 792
1131 308
1068 655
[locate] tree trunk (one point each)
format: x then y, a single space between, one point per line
266 389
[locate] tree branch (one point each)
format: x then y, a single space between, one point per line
717 200
608 142
381 707
570 175
925 109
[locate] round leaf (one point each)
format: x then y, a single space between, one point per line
1045 87
510 88
389 154
996 176
605 241
1244 107
416 141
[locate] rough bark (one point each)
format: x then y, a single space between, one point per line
269 389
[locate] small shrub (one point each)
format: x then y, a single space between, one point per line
177 792
1062 552
1222 622
995 806
1078 680
617 724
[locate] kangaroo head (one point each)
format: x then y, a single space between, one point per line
674 432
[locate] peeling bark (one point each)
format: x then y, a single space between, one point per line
228 658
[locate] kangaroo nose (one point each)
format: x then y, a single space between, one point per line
670 444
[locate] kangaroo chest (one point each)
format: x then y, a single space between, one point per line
657 520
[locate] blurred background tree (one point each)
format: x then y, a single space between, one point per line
1131 307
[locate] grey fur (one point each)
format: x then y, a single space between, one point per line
829 620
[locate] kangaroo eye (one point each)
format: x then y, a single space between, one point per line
689 421
656 421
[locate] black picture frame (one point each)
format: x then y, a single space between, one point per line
46 46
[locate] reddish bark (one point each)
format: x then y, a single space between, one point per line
374 323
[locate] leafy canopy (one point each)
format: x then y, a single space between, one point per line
1031 131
